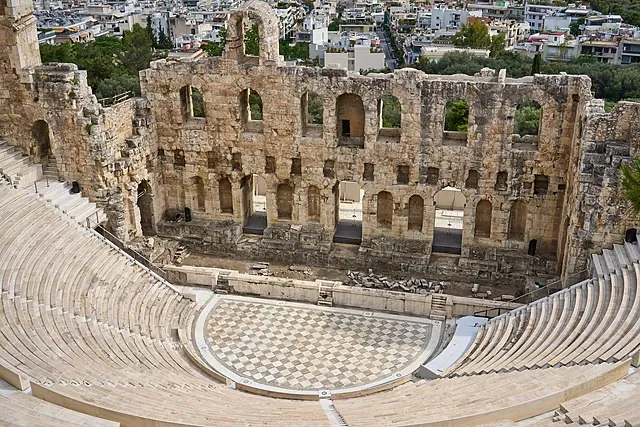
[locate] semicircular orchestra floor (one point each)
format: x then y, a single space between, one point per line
294 348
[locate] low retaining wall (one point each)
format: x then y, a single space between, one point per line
343 296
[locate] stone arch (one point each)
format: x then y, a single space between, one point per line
284 201
41 134
313 203
225 195
448 220
483 219
517 221
350 119
263 15
145 205
384 212
416 213
197 193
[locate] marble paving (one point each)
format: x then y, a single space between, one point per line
304 347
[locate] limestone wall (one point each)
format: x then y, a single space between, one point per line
344 296
600 215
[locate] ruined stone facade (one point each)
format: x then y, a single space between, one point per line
535 205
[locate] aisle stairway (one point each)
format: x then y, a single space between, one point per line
21 173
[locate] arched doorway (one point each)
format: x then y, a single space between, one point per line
448 225
254 204
42 136
145 204
348 210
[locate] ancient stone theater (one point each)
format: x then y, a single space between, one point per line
251 159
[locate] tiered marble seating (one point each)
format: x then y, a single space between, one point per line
93 331
478 399
613 405
21 409
21 173
594 321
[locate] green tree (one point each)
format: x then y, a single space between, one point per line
255 105
390 112
314 109
474 34
456 117
527 118
149 28
497 44
216 48
574 27
536 67
252 41
116 85
137 49
334 25
631 184
296 51
164 41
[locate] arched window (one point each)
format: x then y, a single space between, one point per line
517 221
416 212
314 108
456 116
350 120
197 193
527 118
313 203
284 201
191 103
472 179
390 112
251 110
225 196
483 219
385 209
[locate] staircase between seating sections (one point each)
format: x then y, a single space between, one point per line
21 173
438 307
325 294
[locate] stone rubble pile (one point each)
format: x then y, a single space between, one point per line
411 285
261 269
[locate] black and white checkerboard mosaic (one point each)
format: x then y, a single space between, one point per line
302 348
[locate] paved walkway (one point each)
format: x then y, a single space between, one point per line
301 347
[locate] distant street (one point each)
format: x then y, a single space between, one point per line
389 57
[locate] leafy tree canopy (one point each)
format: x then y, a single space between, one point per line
112 64
610 82
456 117
474 34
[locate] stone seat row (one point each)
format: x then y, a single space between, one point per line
75 313
613 405
20 409
94 332
21 173
474 400
594 321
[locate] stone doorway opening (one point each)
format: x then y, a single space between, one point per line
349 197
145 204
449 219
42 136
254 198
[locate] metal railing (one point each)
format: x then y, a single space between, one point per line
116 99
135 256
529 297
